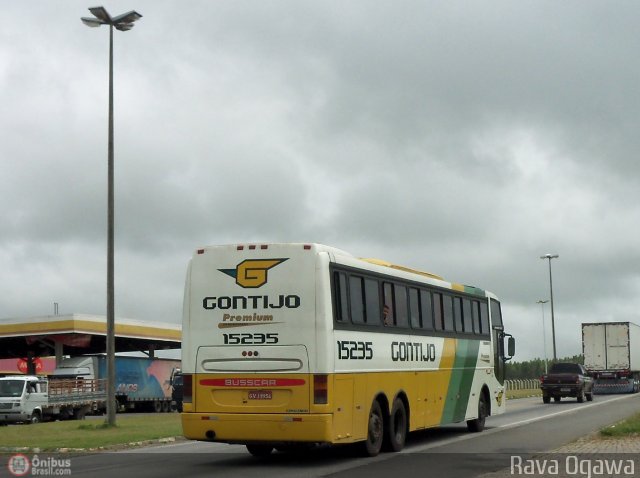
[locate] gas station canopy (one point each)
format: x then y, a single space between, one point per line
77 334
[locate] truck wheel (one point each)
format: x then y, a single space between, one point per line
80 413
546 399
581 396
157 406
397 431
35 417
477 424
375 431
166 406
556 399
260 450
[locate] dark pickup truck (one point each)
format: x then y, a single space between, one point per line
566 380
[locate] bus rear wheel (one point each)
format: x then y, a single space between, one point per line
375 431
397 431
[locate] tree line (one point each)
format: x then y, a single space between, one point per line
534 368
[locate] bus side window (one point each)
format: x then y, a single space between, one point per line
437 311
426 311
387 307
372 301
457 313
342 305
402 312
356 300
475 310
496 314
447 312
466 315
414 308
484 318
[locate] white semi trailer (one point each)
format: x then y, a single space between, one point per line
612 356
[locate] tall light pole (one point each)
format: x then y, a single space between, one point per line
544 334
123 23
553 322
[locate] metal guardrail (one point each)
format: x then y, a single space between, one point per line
523 384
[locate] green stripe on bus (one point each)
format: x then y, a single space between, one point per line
462 374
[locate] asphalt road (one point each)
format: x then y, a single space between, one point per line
529 427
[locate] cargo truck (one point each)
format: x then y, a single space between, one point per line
142 383
612 356
31 399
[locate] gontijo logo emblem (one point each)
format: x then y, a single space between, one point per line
252 273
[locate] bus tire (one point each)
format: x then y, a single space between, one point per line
397 430
260 450
477 424
375 431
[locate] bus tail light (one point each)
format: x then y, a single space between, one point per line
320 390
187 388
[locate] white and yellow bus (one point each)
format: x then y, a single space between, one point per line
303 343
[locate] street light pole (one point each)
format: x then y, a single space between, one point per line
544 334
553 322
122 22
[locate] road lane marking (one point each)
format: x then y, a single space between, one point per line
499 428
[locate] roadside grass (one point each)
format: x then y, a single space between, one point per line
513 394
91 433
627 427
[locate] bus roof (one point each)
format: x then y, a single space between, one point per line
317 248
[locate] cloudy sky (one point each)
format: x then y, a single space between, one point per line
463 138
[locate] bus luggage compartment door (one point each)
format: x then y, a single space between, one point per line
252 379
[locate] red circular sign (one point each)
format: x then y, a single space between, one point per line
22 365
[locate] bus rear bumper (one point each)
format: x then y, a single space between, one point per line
248 428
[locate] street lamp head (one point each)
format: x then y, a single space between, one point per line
101 13
122 22
128 17
549 256
91 22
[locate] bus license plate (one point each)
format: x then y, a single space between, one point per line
260 395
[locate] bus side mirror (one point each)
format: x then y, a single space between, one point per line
511 346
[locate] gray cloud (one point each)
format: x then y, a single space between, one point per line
464 139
